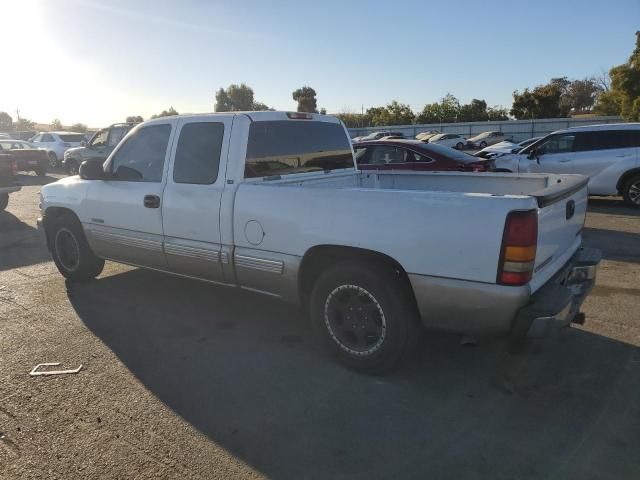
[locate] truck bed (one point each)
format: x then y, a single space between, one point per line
445 224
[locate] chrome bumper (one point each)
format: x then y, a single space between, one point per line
557 304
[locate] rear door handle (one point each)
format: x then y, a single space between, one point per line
623 155
151 201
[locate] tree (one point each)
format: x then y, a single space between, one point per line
56 124
259 107
446 110
6 122
497 114
306 98
354 120
79 127
323 111
393 114
624 94
237 98
476 111
134 119
582 94
541 102
166 113
23 124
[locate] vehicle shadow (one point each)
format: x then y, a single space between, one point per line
21 244
241 368
611 206
614 244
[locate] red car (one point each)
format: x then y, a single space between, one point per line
26 157
414 155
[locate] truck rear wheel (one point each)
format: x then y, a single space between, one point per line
365 316
4 201
631 192
70 250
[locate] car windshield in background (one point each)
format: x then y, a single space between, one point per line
285 147
72 137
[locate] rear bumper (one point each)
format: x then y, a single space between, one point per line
476 308
557 303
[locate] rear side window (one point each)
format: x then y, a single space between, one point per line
607 140
198 153
285 147
141 157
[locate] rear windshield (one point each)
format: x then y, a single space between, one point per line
72 137
284 147
448 152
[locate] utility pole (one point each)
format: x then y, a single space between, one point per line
17 113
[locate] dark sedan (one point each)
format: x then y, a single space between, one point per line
26 157
414 155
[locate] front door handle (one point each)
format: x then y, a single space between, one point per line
151 201
564 160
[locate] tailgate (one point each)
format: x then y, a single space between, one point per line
562 209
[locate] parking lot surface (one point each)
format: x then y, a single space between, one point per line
181 379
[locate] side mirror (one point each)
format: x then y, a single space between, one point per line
91 170
534 154
83 143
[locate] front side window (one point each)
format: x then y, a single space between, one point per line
562 143
141 157
47 138
198 153
382 155
286 147
100 139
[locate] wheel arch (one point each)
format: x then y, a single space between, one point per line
626 176
320 257
50 215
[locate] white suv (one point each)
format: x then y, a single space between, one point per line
608 154
56 143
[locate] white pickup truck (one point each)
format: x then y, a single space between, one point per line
272 202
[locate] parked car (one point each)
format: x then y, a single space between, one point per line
607 154
26 157
503 148
485 139
56 143
7 178
99 147
377 136
425 136
452 140
414 155
271 202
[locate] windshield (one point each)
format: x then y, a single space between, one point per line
481 136
72 137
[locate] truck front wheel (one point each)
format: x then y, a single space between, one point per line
70 250
365 316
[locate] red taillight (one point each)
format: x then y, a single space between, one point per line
479 167
14 168
299 116
519 243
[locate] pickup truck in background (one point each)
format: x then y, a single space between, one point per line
272 202
7 176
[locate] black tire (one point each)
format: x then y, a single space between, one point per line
631 191
460 146
4 201
70 250
483 145
379 302
40 171
53 159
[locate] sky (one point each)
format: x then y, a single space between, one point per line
96 62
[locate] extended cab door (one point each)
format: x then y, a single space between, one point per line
192 197
122 214
555 154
